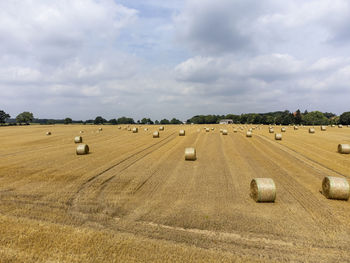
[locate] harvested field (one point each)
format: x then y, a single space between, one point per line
135 198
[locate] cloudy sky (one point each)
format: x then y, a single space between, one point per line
179 58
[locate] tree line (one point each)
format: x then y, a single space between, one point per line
278 117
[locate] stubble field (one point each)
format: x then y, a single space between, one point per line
134 198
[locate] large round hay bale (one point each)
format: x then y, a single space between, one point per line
224 132
344 148
156 134
135 130
190 154
207 129
182 133
82 149
283 129
78 139
335 188
311 130
249 134
278 136
161 128
263 190
323 128
271 130
340 126
48 133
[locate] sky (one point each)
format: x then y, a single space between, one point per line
179 58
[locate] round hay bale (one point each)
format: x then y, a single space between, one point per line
100 129
119 127
212 129
271 130
48 133
283 129
156 134
221 130
129 129
344 148
145 129
81 132
340 126
263 190
161 128
249 134
323 128
207 129
335 188
235 130
182 133
135 130
78 139
224 132
333 125
296 128
190 154
250 130
278 136
82 149
311 130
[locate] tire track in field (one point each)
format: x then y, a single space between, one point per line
128 161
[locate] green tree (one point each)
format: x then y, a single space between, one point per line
164 121
345 118
156 122
113 121
99 120
68 121
146 121
125 120
4 116
315 118
175 121
24 117
297 117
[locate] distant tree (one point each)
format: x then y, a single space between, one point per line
113 121
146 121
305 112
68 121
175 121
315 118
156 122
125 120
345 118
297 117
24 117
164 121
329 115
4 116
99 120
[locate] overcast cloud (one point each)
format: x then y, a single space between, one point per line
164 59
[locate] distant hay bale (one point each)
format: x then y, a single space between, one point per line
250 130
129 129
278 136
296 128
344 148
82 149
182 133
263 190
224 132
100 129
212 129
235 130
119 127
335 188
190 154
323 128
145 129
135 130
283 129
81 132
340 126
221 130
161 128
78 139
207 129
156 134
271 130
311 130
48 133
333 125
249 134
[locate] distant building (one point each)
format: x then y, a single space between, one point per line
226 121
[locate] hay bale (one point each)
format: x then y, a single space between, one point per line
271 130
82 149
250 130
296 128
323 128
249 134
212 129
224 132
190 154
263 190
78 139
344 148
81 132
333 125
48 133
161 128
235 130
283 129
207 129
221 130
340 126
311 130
156 134
145 129
119 127
135 130
182 133
129 129
278 136
100 129
335 188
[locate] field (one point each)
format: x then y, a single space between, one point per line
134 198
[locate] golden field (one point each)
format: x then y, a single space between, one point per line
134 198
